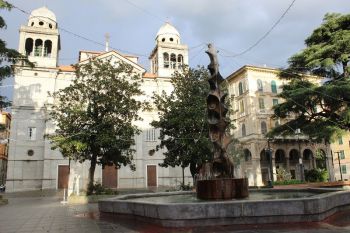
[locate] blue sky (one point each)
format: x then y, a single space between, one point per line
232 25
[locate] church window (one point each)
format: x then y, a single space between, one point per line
179 61
240 88
29 46
243 130
241 106
166 60
151 135
32 133
260 85
163 39
261 104
38 47
47 48
172 61
171 39
273 86
41 23
32 24
263 127
50 25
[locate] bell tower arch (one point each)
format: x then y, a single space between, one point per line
169 54
40 39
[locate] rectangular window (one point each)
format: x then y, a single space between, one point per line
340 140
342 154
32 133
261 104
151 135
274 102
343 169
241 106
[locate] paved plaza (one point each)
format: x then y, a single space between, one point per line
44 213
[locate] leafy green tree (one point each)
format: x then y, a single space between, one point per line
183 121
320 107
8 57
95 115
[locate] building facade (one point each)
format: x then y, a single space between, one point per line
341 157
32 163
5 121
254 92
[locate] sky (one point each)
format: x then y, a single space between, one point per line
231 25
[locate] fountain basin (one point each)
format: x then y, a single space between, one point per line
315 205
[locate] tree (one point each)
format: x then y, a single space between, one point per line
8 57
95 115
320 107
183 121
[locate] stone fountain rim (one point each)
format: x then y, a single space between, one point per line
319 193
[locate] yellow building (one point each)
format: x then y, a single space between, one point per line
341 157
254 91
5 120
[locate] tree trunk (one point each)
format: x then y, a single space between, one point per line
91 174
345 69
183 175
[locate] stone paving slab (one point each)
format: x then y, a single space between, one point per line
45 214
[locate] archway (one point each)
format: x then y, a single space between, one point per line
29 46
264 166
293 161
308 157
280 159
321 159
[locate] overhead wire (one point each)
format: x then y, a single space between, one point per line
266 33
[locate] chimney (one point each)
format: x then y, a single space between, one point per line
107 41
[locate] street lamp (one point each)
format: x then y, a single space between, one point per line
341 175
301 166
268 152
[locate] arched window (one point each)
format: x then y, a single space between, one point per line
166 60
172 61
38 48
273 86
260 85
179 61
247 155
29 46
263 127
243 130
240 88
47 48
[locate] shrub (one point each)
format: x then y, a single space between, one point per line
282 174
316 175
287 182
185 187
98 189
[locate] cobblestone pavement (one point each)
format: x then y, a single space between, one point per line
46 214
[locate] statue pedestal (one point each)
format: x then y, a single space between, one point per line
222 189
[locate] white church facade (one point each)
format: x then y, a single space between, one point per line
32 164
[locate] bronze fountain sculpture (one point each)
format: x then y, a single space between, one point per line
216 180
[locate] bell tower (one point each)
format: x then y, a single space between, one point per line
40 39
169 54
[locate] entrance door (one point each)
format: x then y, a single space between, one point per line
63 175
151 175
110 177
